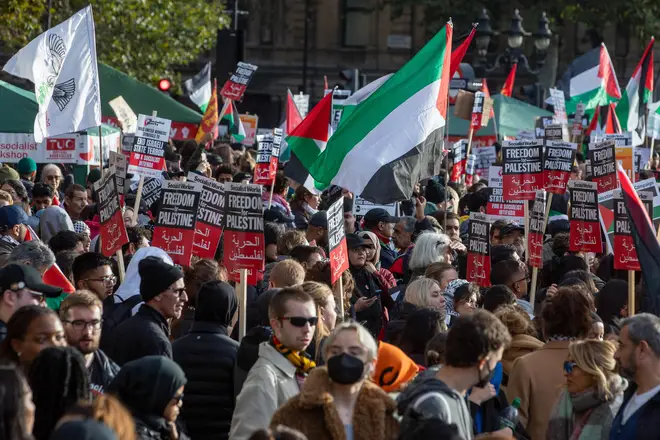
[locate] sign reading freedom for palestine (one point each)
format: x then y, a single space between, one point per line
522 173
210 216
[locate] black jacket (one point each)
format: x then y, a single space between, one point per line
3 331
145 334
647 423
146 429
398 323
101 372
207 356
248 353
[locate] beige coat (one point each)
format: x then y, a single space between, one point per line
520 346
269 384
537 379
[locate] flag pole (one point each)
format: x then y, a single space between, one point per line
242 292
341 297
100 150
272 188
526 226
631 293
138 195
535 270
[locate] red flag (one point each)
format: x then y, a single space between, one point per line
612 124
210 119
458 54
594 124
293 118
54 275
507 88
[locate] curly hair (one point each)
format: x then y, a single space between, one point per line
568 314
596 358
516 320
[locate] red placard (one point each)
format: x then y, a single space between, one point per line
522 173
602 157
625 253
147 157
113 230
478 257
458 152
337 240
585 223
264 172
244 231
239 81
175 225
557 164
536 231
477 110
210 216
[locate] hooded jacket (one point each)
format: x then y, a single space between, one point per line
427 397
520 346
53 220
101 371
146 386
313 413
207 356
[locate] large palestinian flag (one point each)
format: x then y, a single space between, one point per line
638 93
590 79
394 138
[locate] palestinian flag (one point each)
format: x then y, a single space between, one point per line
230 115
507 88
594 124
394 138
590 79
612 125
638 93
356 98
198 88
459 53
646 244
307 141
293 119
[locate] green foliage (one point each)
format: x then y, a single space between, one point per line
146 39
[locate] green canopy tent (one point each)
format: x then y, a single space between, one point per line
511 116
144 99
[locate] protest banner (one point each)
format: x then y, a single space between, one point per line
151 190
120 162
113 231
557 164
602 156
522 173
486 156
478 248
235 86
125 114
337 242
559 105
250 124
210 216
244 232
470 170
625 254
263 172
458 154
540 124
175 224
147 157
584 222
499 207
577 130
535 237
278 134
362 206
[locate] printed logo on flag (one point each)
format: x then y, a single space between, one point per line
478 257
210 216
522 174
337 240
584 222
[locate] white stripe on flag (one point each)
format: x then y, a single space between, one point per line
585 82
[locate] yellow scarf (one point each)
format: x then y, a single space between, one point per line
298 359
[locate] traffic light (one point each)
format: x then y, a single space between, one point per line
164 85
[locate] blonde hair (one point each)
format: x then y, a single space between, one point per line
417 292
368 342
287 273
596 358
368 235
4 195
437 270
320 294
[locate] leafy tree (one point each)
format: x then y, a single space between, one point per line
146 39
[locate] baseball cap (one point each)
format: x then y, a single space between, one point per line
320 220
12 215
354 241
511 227
380 215
214 159
19 276
27 165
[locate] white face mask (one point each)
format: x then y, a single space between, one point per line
309 210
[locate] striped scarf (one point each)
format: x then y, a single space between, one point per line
298 359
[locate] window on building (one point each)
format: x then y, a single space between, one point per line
356 22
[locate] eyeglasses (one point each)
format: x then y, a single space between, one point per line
80 324
569 366
178 398
109 280
527 279
177 292
299 321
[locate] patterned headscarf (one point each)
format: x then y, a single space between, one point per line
449 296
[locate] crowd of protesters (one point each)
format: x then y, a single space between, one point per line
417 352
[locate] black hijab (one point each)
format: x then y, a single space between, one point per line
87 429
146 386
216 302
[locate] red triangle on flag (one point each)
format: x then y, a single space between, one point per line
315 125
293 118
606 72
55 277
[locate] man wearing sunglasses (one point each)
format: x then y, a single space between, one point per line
147 332
20 286
514 275
282 365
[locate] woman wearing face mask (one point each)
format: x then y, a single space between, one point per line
339 400
593 394
303 206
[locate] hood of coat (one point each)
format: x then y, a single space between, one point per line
525 342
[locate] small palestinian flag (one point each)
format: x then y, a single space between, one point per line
236 129
638 93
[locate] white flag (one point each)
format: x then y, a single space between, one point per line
61 63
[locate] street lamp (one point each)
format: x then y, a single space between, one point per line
516 32
484 33
543 36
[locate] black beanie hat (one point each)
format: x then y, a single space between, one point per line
156 276
435 193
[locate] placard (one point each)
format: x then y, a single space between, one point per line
584 221
486 156
557 164
522 173
625 253
339 97
210 216
113 230
235 86
641 159
151 190
120 162
603 165
478 257
302 103
125 114
553 132
577 120
147 157
536 231
458 153
244 231
470 170
362 206
175 224
250 124
559 104
477 110
263 173
337 240
497 206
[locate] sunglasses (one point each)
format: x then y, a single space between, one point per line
299 321
569 366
